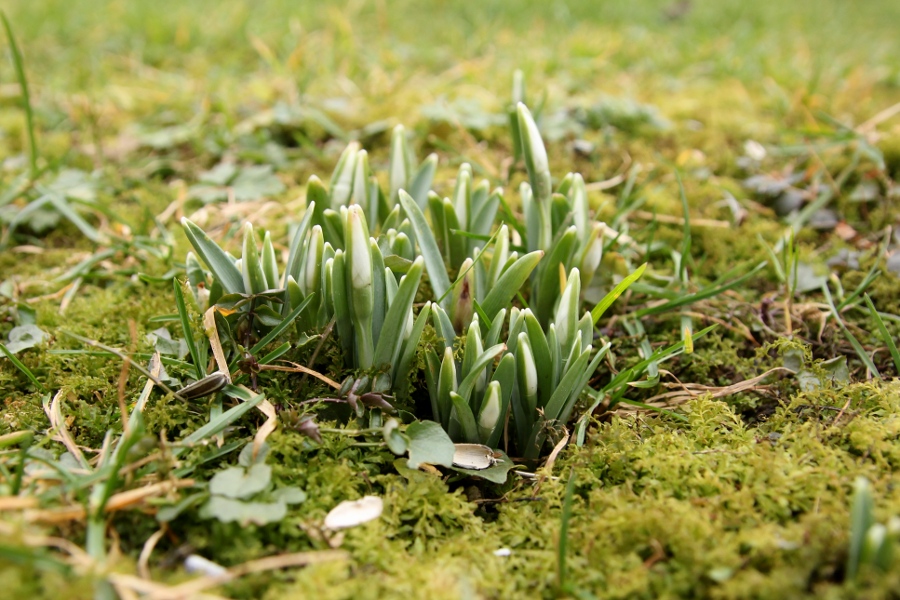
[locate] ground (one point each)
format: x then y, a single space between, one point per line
733 491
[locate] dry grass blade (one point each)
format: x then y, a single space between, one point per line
195 587
57 422
117 502
267 428
77 557
212 332
144 559
295 368
689 391
551 460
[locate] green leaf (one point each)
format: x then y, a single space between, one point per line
420 184
541 351
23 337
219 424
614 294
582 382
510 283
281 326
228 510
401 371
395 440
235 482
391 335
434 262
486 358
548 283
462 413
566 387
199 367
289 495
429 444
253 275
219 262
341 302
268 316
66 210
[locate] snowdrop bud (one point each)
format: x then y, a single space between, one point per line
360 179
526 371
342 177
463 306
535 155
566 317
490 410
357 241
313 268
462 194
474 348
399 175
580 207
254 278
593 253
500 256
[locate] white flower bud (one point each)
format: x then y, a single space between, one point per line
490 410
358 249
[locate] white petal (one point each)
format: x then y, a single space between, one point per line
351 513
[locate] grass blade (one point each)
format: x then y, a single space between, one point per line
860 351
885 335
614 294
26 96
199 367
697 296
21 367
219 424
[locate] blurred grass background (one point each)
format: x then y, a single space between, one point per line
389 56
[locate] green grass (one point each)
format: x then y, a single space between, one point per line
742 496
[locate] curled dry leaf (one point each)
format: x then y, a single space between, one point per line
351 513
